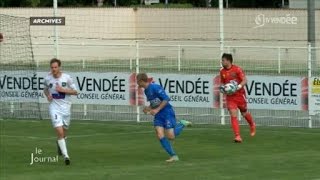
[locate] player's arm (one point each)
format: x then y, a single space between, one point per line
164 100
46 91
161 106
221 78
243 79
221 88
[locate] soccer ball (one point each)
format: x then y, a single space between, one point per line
230 88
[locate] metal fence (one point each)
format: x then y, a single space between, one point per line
176 59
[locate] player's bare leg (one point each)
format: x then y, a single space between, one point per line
235 125
170 134
165 143
250 121
62 143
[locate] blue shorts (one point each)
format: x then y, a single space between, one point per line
165 119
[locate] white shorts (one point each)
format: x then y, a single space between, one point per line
59 119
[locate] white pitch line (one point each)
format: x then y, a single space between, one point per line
86 122
76 136
28 137
87 135
116 134
130 133
105 123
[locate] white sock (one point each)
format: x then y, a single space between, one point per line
63 147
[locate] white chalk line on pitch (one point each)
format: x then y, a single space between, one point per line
75 136
105 123
86 135
104 134
90 135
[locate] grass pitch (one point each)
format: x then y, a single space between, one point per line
116 151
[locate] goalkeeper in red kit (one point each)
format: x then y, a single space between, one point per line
231 73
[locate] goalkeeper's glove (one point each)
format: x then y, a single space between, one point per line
239 86
221 88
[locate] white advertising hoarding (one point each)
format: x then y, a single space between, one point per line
94 88
276 93
102 88
21 86
187 90
314 101
263 92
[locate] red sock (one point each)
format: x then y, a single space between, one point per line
235 126
249 119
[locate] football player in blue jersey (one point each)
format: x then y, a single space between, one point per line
164 122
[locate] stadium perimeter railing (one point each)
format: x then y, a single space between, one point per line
173 59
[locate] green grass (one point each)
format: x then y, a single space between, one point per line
114 151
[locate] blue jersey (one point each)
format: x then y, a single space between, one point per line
166 117
155 95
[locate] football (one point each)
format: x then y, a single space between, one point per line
230 88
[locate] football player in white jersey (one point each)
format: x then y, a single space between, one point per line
58 89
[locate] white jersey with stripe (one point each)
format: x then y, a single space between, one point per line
61 102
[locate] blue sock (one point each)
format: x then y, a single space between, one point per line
178 129
167 146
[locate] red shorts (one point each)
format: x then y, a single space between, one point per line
235 102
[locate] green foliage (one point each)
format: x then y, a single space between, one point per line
33 3
126 2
